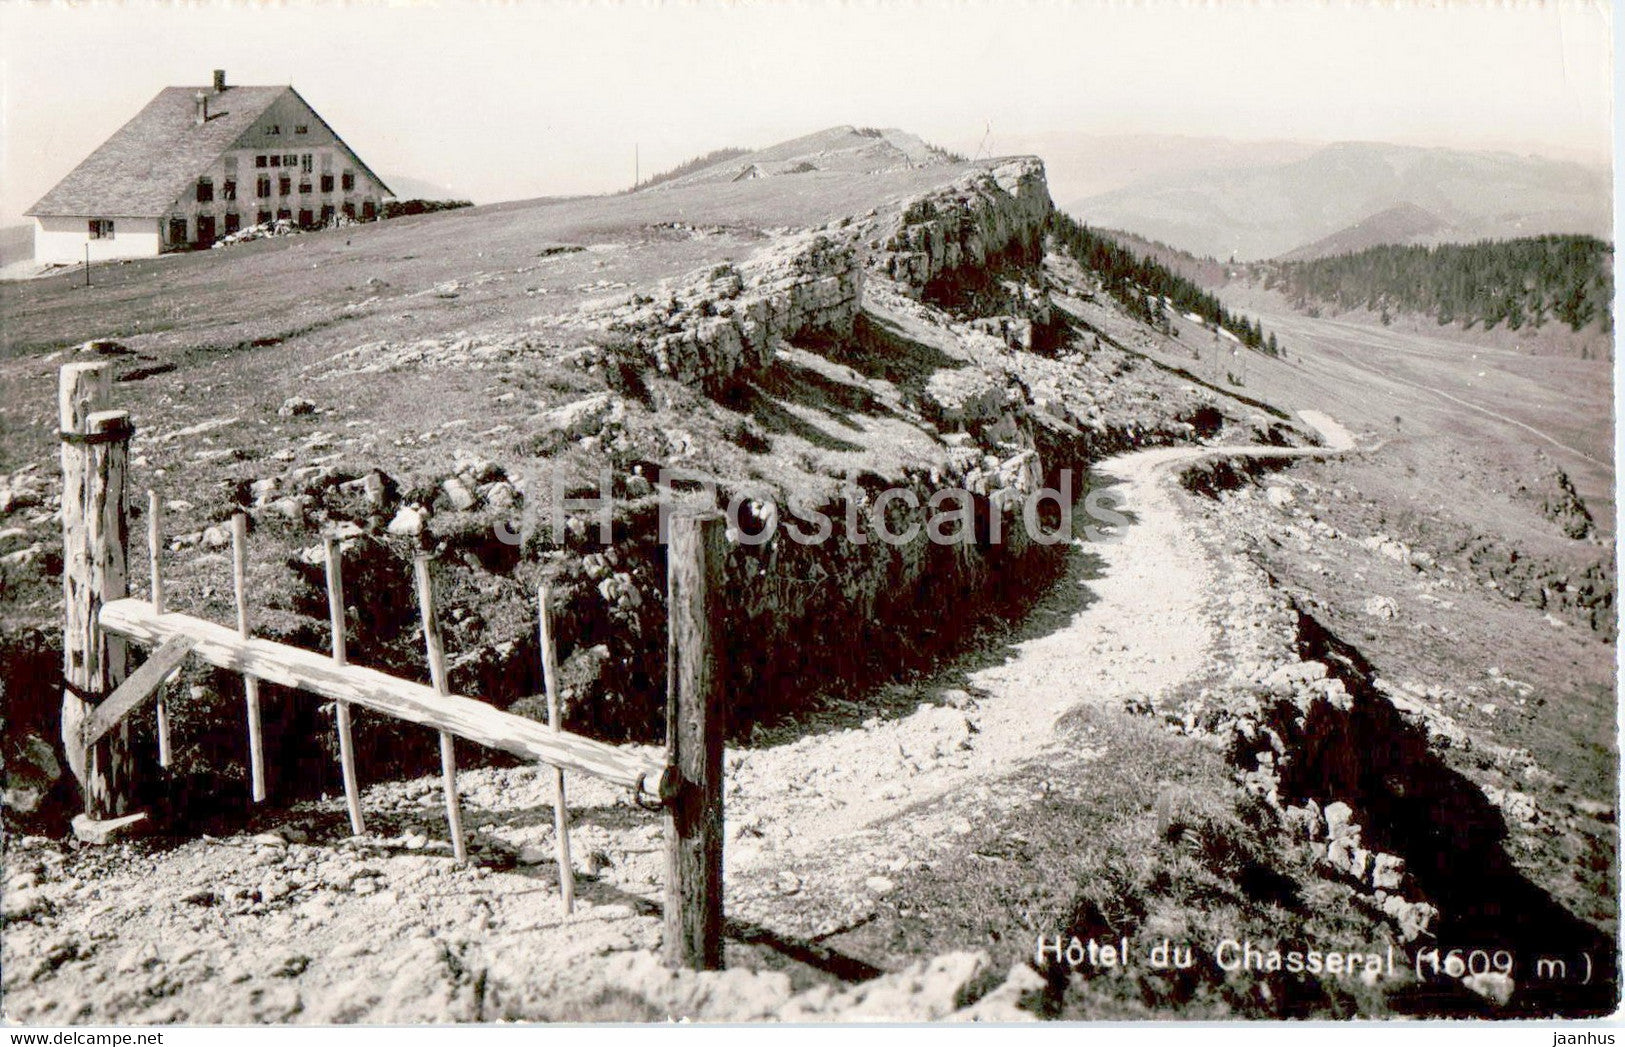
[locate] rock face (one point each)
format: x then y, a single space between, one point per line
1000 212
721 322
30 774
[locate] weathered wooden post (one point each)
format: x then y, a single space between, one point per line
155 567
95 569
335 616
436 649
555 720
692 788
251 683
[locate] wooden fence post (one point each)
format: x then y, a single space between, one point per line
695 723
436 649
251 684
331 557
95 569
555 720
155 567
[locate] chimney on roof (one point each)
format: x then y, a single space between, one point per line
219 80
202 102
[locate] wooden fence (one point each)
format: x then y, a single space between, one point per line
102 620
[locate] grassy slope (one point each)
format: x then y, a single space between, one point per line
308 297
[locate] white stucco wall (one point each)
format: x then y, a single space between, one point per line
63 240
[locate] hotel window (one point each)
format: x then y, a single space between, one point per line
369 211
304 185
307 163
283 214
301 129
260 160
290 160
306 217
205 190
327 214
262 187
101 229
228 189
349 181
327 183
284 186
273 129
276 161
349 210
234 222
262 217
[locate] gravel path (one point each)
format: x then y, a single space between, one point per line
843 810
306 924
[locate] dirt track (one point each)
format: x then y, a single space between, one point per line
1128 620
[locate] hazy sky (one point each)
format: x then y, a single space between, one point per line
509 100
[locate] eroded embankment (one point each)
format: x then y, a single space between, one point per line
1359 771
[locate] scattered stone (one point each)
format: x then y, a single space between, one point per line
296 405
582 418
1382 607
100 832
1006 1003
30 775
407 522
880 884
1492 985
1340 821
457 493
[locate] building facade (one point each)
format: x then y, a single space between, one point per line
198 164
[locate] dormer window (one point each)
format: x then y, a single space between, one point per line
301 129
273 129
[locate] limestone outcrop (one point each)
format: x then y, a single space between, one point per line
1000 212
711 326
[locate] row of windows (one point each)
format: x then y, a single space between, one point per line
101 229
298 129
305 162
262 186
232 221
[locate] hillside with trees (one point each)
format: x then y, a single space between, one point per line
1521 283
1144 285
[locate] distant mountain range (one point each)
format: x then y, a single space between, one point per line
1354 195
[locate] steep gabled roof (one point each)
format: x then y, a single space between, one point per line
150 161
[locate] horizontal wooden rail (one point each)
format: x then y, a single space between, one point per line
293 667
